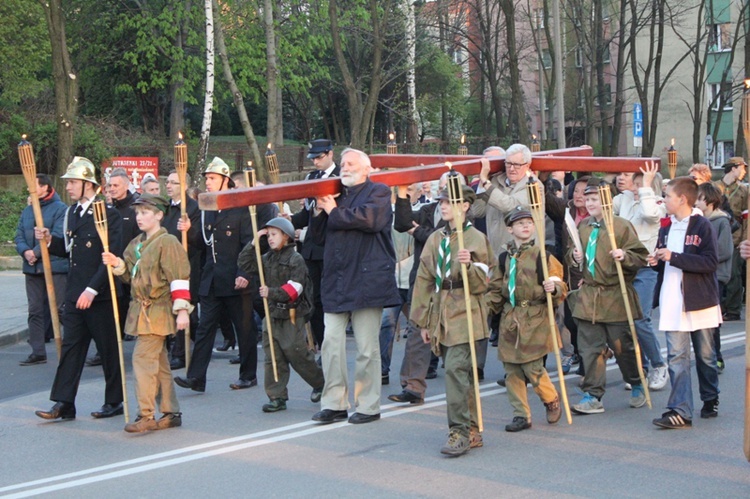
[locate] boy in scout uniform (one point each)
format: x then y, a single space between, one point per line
287 289
599 306
88 301
524 337
157 269
439 310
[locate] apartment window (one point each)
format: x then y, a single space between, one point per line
540 18
719 37
607 95
546 59
579 57
606 57
723 150
720 95
581 98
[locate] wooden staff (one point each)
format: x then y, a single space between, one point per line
28 165
180 165
100 221
606 199
457 202
250 181
537 213
746 133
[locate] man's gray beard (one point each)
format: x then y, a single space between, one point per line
351 180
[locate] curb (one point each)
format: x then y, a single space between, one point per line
8 338
11 263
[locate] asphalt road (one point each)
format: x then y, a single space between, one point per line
228 447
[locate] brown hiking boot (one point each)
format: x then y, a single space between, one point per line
553 411
141 424
456 445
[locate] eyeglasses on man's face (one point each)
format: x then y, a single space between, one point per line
514 166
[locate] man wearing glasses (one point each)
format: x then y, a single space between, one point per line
321 154
501 194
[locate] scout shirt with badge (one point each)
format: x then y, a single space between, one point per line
524 325
443 311
599 298
81 243
158 272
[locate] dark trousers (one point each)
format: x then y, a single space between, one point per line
315 269
733 301
81 326
240 311
40 319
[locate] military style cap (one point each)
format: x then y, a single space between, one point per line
733 162
158 202
466 192
517 213
318 147
593 184
81 169
283 225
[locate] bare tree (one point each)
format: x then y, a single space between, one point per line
66 82
273 122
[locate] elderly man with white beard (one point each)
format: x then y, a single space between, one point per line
358 281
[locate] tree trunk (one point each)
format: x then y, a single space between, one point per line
517 112
177 99
239 103
271 72
208 102
412 129
600 46
619 81
66 82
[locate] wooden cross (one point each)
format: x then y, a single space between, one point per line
407 169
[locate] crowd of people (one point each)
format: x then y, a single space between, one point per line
460 269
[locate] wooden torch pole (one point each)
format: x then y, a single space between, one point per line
180 165
537 213
28 165
606 198
100 221
250 182
746 133
457 201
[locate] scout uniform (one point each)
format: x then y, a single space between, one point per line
158 272
599 306
289 288
524 337
438 304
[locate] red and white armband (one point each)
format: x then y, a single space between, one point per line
293 289
180 289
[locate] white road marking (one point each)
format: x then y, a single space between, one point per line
224 446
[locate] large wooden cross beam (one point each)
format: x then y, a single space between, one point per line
410 168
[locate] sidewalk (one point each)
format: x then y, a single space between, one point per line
13 327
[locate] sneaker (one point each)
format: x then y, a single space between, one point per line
588 405
316 394
671 420
628 387
456 445
720 366
553 411
658 378
710 409
275 405
141 424
475 438
638 397
169 420
567 363
575 359
518 424
431 374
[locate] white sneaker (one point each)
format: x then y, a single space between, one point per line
658 378
628 386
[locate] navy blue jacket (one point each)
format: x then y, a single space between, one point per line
53 213
698 262
359 261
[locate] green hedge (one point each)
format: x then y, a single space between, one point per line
11 206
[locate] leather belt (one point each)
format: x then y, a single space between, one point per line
449 284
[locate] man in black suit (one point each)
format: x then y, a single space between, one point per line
321 154
195 253
223 287
88 302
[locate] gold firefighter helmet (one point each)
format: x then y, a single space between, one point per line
81 169
218 166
